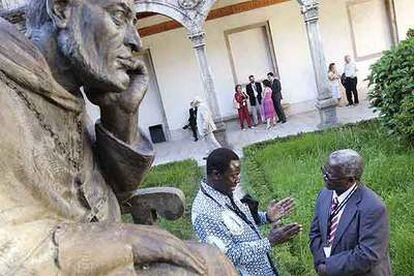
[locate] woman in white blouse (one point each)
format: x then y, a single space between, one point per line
334 78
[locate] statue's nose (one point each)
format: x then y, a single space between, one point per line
132 39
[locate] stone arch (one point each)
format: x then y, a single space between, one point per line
167 9
190 18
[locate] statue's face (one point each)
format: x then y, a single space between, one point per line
99 42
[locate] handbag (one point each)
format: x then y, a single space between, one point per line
343 79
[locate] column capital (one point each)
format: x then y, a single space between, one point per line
198 39
309 10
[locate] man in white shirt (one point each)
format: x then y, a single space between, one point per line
350 232
351 81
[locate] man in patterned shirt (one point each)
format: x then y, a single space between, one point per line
221 219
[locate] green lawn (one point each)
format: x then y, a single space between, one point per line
291 166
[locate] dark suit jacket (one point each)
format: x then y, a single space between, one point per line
360 246
193 116
250 92
276 90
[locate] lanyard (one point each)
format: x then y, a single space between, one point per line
243 216
339 208
236 210
343 203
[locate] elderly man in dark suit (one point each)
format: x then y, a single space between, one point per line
349 233
277 97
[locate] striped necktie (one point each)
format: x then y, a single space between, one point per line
333 224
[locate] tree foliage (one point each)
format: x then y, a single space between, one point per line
392 89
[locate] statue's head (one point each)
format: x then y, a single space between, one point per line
343 169
96 37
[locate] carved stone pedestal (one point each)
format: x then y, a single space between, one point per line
325 103
220 134
327 113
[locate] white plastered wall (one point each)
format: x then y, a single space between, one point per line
178 74
404 10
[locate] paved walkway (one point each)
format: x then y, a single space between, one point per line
304 122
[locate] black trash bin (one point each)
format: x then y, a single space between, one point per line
157 134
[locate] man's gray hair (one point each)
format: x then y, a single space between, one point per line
349 163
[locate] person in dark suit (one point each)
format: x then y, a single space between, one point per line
350 231
277 97
192 122
254 91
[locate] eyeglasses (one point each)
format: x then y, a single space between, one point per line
327 176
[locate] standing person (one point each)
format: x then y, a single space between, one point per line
350 231
351 80
268 107
205 125
254 90
240 99
334 78
221 219
192 121
277 97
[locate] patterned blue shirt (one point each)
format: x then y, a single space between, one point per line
217 221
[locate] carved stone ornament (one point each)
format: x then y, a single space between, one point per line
310 11
189 4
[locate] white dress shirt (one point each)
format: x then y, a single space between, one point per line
254 89
350 70
341 198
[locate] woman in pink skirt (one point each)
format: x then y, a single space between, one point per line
268 108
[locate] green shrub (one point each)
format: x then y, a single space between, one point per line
392 89
410 33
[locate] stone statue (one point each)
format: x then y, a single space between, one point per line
63 180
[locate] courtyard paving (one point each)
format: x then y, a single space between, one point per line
300 123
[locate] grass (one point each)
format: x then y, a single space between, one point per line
291 167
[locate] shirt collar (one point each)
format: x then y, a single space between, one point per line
220 197
344 195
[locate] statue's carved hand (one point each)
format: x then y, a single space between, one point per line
129 100
119 111
86 249
153 247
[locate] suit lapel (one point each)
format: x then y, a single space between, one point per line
347 216
325 209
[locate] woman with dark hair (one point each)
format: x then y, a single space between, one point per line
334 78
268 108
240 101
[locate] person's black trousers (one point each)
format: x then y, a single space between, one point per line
194 130
279 110
351 89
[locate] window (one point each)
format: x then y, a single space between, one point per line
251 52
370 28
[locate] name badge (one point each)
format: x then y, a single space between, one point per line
327 251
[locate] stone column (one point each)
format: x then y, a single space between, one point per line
199 45
325 103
